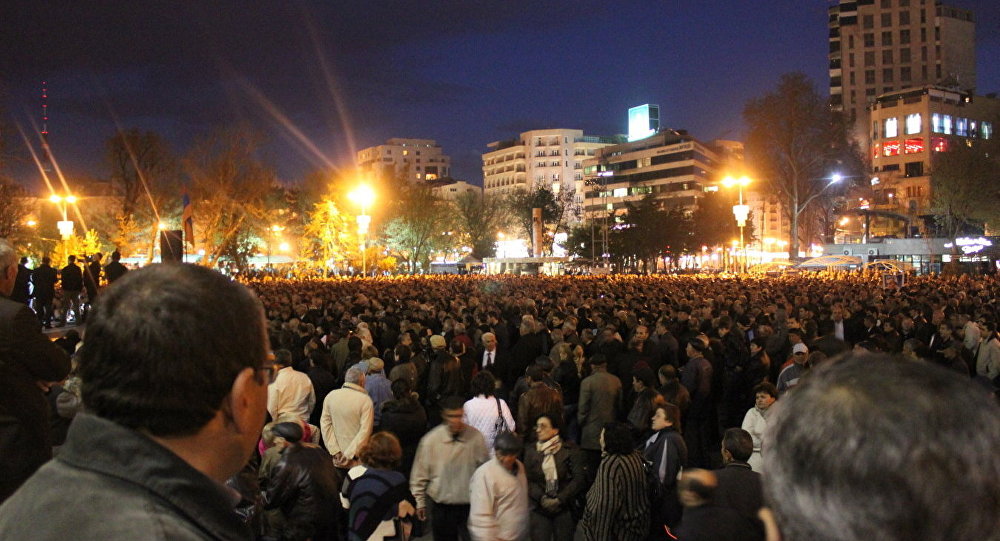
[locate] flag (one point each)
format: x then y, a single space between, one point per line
187 219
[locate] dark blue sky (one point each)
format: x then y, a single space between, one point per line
346 75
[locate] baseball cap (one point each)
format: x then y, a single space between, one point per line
800 348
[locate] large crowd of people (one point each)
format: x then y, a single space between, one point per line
551 408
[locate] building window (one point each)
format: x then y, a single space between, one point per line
937 71
915 169
904 37
868 22
905 74
852 77
869 77
939 144
913 124
890 148
962 126
886 4
887 57
870 92
904 17
986 129
850 60
886 39
913 146
869 58
887 75
850 42
923 18
904 56
869 39
886 20
891 128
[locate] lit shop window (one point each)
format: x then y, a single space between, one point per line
876 150
962 126
890 148
913 146
891 127
913 124
987 130
939 144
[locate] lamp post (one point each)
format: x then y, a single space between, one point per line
741 212
363 196
65 225
798 209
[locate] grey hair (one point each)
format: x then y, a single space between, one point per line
354 374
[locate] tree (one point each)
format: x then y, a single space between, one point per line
965 187
228 186
144 172
420 220
556 212
795 143
13 208
477 222
328 237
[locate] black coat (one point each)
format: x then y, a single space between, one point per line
72 278
44 279
305 486
26 357
407 419
740 489
570 467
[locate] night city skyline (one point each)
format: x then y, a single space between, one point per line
345 77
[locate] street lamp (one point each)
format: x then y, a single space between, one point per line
363 196
798 209
741 212
65 225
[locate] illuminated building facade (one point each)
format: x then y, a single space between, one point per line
540 158
907 130
412 159
881 46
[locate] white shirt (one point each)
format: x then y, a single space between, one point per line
481 414
291 392
489 358
756 423
498 503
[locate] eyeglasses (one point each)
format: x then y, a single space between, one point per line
270 373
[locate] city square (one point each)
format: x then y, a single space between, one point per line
323 272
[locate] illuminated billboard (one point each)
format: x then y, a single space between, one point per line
643 121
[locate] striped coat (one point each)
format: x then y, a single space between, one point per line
617 504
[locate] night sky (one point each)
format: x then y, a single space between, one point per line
323 79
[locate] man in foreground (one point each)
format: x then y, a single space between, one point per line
175 374
28 363
922 447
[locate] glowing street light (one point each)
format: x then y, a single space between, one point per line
363 196
65 225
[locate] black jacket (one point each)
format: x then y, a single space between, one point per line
740 489
570 468
72 278
305 486
407 419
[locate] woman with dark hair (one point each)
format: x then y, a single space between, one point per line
647 399
377 498
755 421
618 502
666 451
556 478
405 418
486 412
672 390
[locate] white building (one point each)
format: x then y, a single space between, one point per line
412 159
450 191
540 158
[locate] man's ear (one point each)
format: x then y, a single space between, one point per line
238 408
771 532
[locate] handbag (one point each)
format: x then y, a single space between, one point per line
500 425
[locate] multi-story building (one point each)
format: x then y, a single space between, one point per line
540 158
908 129
881 46
450 190
410 159
672 165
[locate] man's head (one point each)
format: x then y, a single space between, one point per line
452 412
173 350
8 267
507 447
489 341
921 446
737 445
356 374
438 342
800 353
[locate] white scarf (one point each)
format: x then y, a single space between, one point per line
549 450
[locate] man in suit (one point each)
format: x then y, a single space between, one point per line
20 293
739 486
44 279
72 285
600 403
28 362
